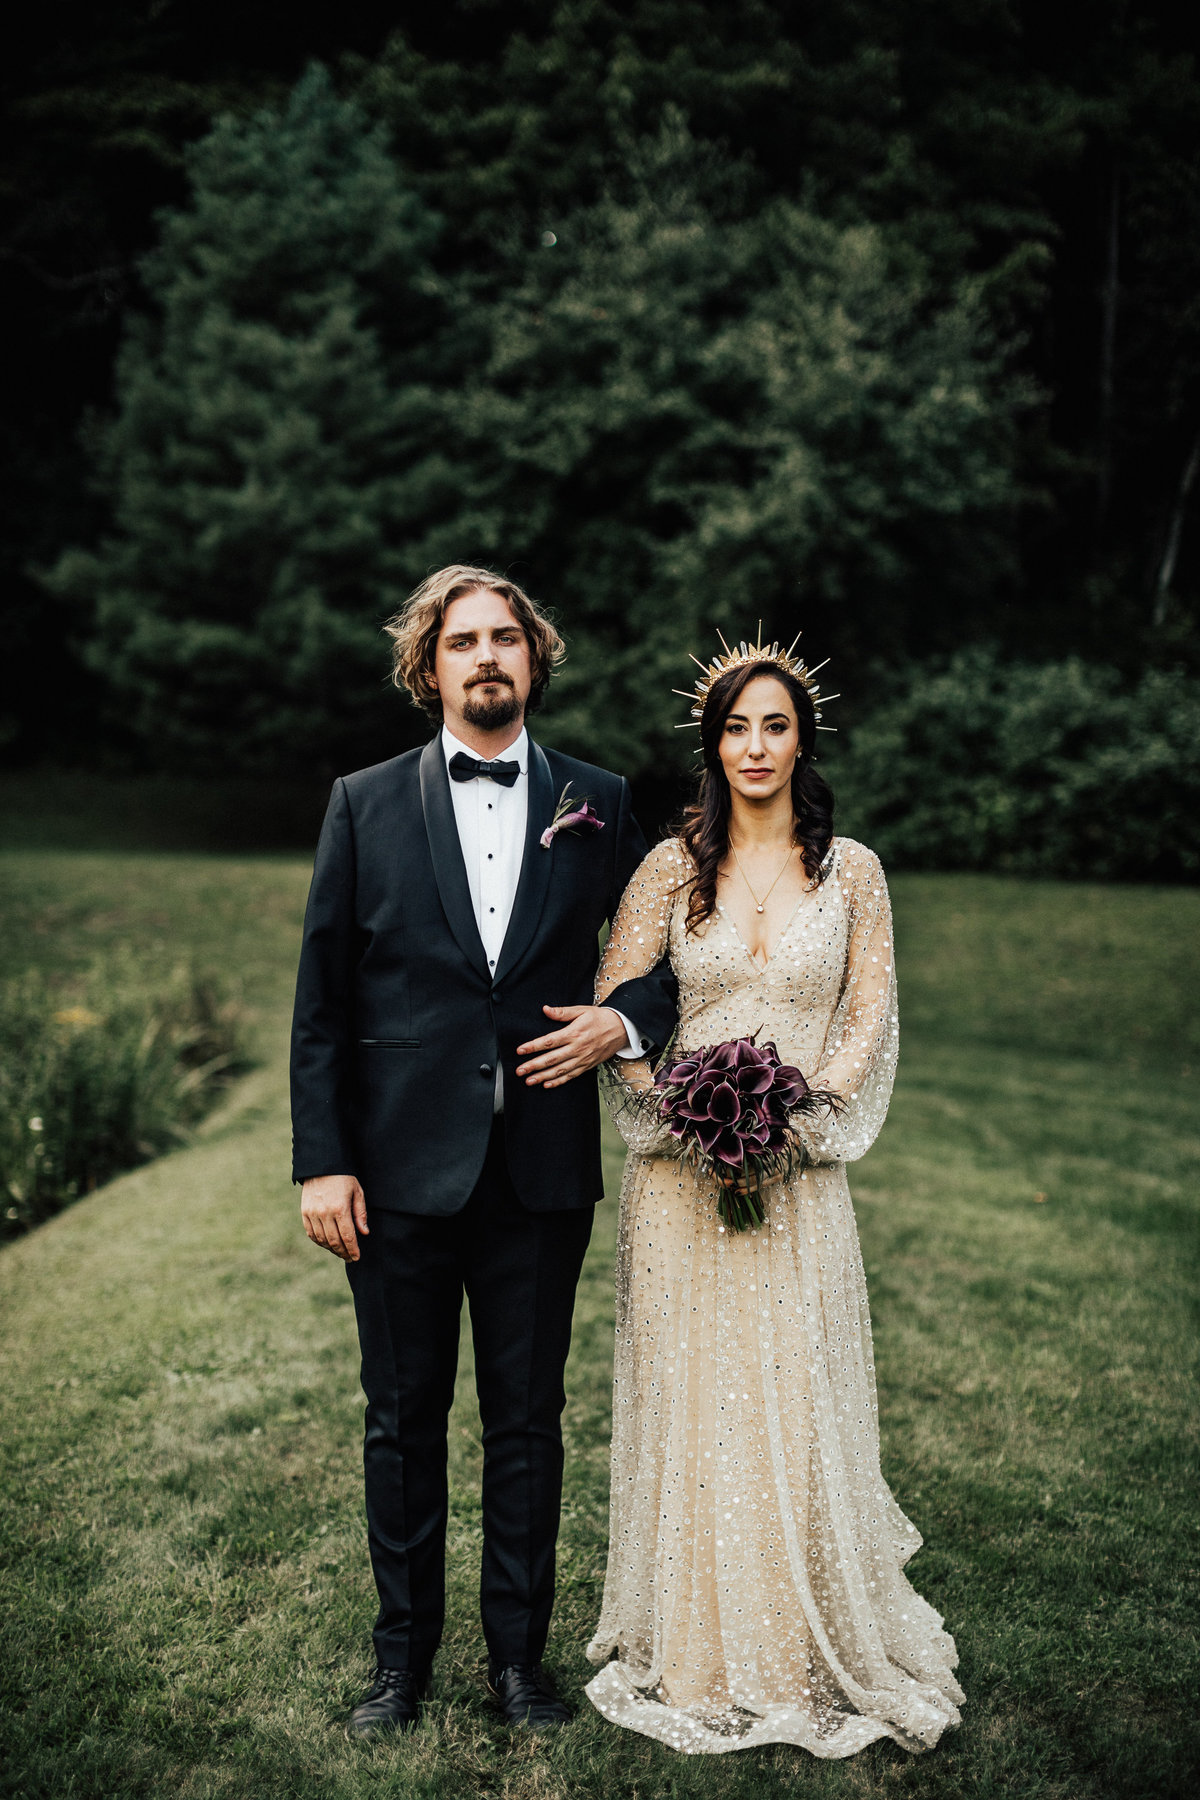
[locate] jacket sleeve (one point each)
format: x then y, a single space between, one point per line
322 1026
650 997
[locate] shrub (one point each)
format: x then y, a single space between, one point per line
90 1089
1060 768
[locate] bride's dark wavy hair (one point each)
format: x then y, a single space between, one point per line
704 828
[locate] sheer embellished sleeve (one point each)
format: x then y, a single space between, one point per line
638 940
862 1044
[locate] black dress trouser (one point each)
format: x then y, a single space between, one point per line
519 1270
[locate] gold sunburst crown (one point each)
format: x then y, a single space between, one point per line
758 652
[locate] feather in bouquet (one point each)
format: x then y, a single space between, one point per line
730 1107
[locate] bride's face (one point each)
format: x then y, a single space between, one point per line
761 740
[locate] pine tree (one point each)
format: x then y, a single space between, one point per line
267 450
696 413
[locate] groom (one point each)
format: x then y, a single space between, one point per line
442 1135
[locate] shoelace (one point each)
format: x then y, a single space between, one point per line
528 1675
387 1680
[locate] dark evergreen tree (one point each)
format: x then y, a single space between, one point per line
97 105
259 468
1030 173
697 413
1052 152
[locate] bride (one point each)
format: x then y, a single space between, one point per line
755 1592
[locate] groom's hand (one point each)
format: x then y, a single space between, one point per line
331 1206
590 1035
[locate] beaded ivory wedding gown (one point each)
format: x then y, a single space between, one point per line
754 1592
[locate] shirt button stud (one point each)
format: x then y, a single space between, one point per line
486 1069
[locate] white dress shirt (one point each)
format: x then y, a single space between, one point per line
491 832
491 821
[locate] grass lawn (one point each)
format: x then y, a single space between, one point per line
184 1587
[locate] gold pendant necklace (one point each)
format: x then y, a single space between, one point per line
760 904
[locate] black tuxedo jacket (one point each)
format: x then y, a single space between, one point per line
399 1024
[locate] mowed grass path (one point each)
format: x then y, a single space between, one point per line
184 1586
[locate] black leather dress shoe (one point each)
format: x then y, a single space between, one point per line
526 1697
393 1704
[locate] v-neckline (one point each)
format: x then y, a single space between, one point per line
762 967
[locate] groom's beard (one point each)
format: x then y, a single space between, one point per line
491 714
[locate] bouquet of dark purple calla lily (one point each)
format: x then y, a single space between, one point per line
731 1108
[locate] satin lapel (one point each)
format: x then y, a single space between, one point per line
446 854
536 864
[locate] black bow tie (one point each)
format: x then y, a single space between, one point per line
467 768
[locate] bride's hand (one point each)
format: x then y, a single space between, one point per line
740 1183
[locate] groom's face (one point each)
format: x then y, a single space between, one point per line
481 664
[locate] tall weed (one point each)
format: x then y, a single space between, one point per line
105 1082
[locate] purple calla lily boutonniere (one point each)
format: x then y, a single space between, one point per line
571 815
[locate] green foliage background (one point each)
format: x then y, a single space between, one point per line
877 321
685 406
252 463
1053 768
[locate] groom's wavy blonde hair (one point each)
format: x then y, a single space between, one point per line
414 633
